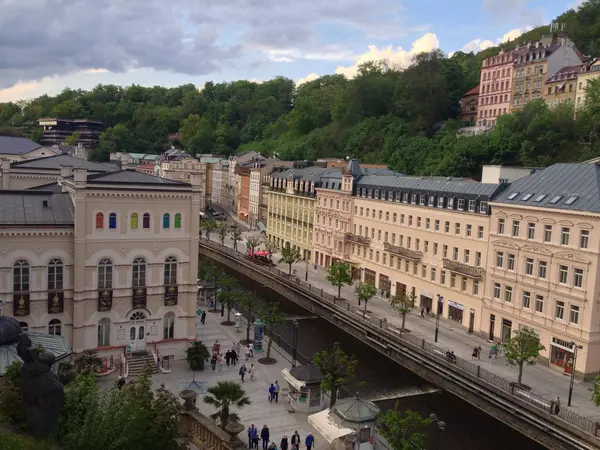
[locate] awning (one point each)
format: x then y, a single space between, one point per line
455 305
296 384
327 427
261 226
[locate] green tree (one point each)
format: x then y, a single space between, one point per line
269 313
523 348
12 408
209 226
403 430
222 230
290 256
365 292
196 355
252 242
236 236
272 247
73 139
339 275
88 362
403 304
338 368
224 396
227 295
249 301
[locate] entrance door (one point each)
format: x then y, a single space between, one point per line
492 326
471 321
506 330
137 331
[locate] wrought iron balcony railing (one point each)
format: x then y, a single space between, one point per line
404 252
463 269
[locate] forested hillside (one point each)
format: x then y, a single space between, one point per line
403 117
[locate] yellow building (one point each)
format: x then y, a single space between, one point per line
587 73
562 86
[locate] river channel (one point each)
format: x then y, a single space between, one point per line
468 428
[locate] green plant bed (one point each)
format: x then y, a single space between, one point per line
197 354
15 442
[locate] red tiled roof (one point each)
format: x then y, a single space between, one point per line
474 91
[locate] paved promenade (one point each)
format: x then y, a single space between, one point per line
453 336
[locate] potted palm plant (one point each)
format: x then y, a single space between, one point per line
196 355
223 396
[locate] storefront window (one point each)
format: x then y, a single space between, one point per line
455 311
561 354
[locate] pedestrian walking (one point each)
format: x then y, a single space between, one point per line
203 317
295 440
227 357
234 357
496 350
428 309
252 436
242 372
213 361
316 267
479 352
271 392
264 435
283 445
220 363
247 352
422 312
252 371
216 347
251 348
238 348
276 391
310 441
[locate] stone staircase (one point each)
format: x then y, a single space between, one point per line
137 361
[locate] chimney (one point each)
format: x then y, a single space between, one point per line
66 171
80 176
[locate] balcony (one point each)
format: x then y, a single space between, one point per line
21 304
403 252
105 299
171 295
463 269
56 302
139 297
357 239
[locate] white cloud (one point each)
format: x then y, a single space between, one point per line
99 70
307 78
397 57
476 45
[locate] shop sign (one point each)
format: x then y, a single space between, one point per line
455 305
427 294
565 345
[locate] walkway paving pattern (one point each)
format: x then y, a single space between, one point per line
545 380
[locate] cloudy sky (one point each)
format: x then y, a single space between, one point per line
47 45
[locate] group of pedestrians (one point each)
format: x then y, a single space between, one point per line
274 392
265 435
231 356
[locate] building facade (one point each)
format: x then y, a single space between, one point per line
18 149
233 181
183 170
588 72
562 86
56 131
495 88
469 105
243 191
108 260
219 178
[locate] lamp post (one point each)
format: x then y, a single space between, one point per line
294 343
575 348
306 259
440 302
441 426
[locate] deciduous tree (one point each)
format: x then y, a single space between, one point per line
403 430
339 275
290 256
403 304
523 349
365 292
269 313
338 368
236 236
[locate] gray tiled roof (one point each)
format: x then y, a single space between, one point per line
16 145
426 184
55 162
27 208
132 177
57 345
558 183
50 187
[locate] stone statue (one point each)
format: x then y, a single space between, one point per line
42 391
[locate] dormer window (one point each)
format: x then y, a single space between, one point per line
398 197
431 200
450 202
422 199
413 199
441 201
483 207
370 194
461 204
377 194
405 197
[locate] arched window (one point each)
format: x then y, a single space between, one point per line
146 220
133 223
104 332
177 220
166 220
24 326
21 276
139 273
170 271
112 221
54 328
55 275
169 325
105 274
99 221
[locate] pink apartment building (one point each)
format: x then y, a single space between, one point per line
495 90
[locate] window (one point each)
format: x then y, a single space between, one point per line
413 199
55 275
104 332
531 230
578 278
453 280
510 261
112 221
166 223
402 218
539 303
21 276
508 294
408 241
542 269
475 287
427 223
410 221
138 278
467 256
450 202
559 311
463 284
455 254
497 290
433 274
574 315
133 222
500 226
169 325
469 230
563 274
170 271
499 259
445 251
105 274
528 266
478 259
435 248
419 222
437 225
394 217
424 270
547 233
54 327
461 204
441 202
99 221
584 239
426 246
431 200
515 228
483 208
526 299
447 227
146 221
422 200
457 228
564 236
443 277
471 205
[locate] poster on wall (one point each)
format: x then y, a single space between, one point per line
56 302
139 298
105 300
21 304
170 295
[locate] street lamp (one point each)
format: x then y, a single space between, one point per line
294 342
575 348
441 426
440 302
